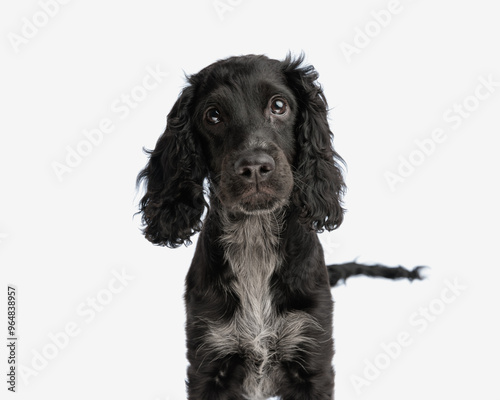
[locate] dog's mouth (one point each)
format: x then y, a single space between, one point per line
258 201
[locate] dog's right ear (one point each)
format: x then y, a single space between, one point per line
318 164
174 201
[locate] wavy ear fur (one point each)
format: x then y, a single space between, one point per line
319 181
174 201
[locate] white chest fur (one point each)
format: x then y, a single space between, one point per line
256 332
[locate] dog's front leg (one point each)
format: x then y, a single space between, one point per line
220 379
303 384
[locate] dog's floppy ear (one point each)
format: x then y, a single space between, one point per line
319 184
174 201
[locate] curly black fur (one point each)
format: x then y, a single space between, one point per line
254 132
174 201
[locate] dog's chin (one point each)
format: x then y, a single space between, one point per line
258 203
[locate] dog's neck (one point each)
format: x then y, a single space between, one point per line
251 241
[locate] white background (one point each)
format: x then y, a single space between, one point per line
61 239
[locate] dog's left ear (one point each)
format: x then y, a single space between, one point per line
319 184
174 201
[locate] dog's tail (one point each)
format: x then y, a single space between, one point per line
340 272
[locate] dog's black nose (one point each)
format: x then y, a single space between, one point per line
255 167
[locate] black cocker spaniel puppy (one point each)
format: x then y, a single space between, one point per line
248 143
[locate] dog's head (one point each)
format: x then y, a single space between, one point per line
257 129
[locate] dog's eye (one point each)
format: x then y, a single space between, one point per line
212 116
278 106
